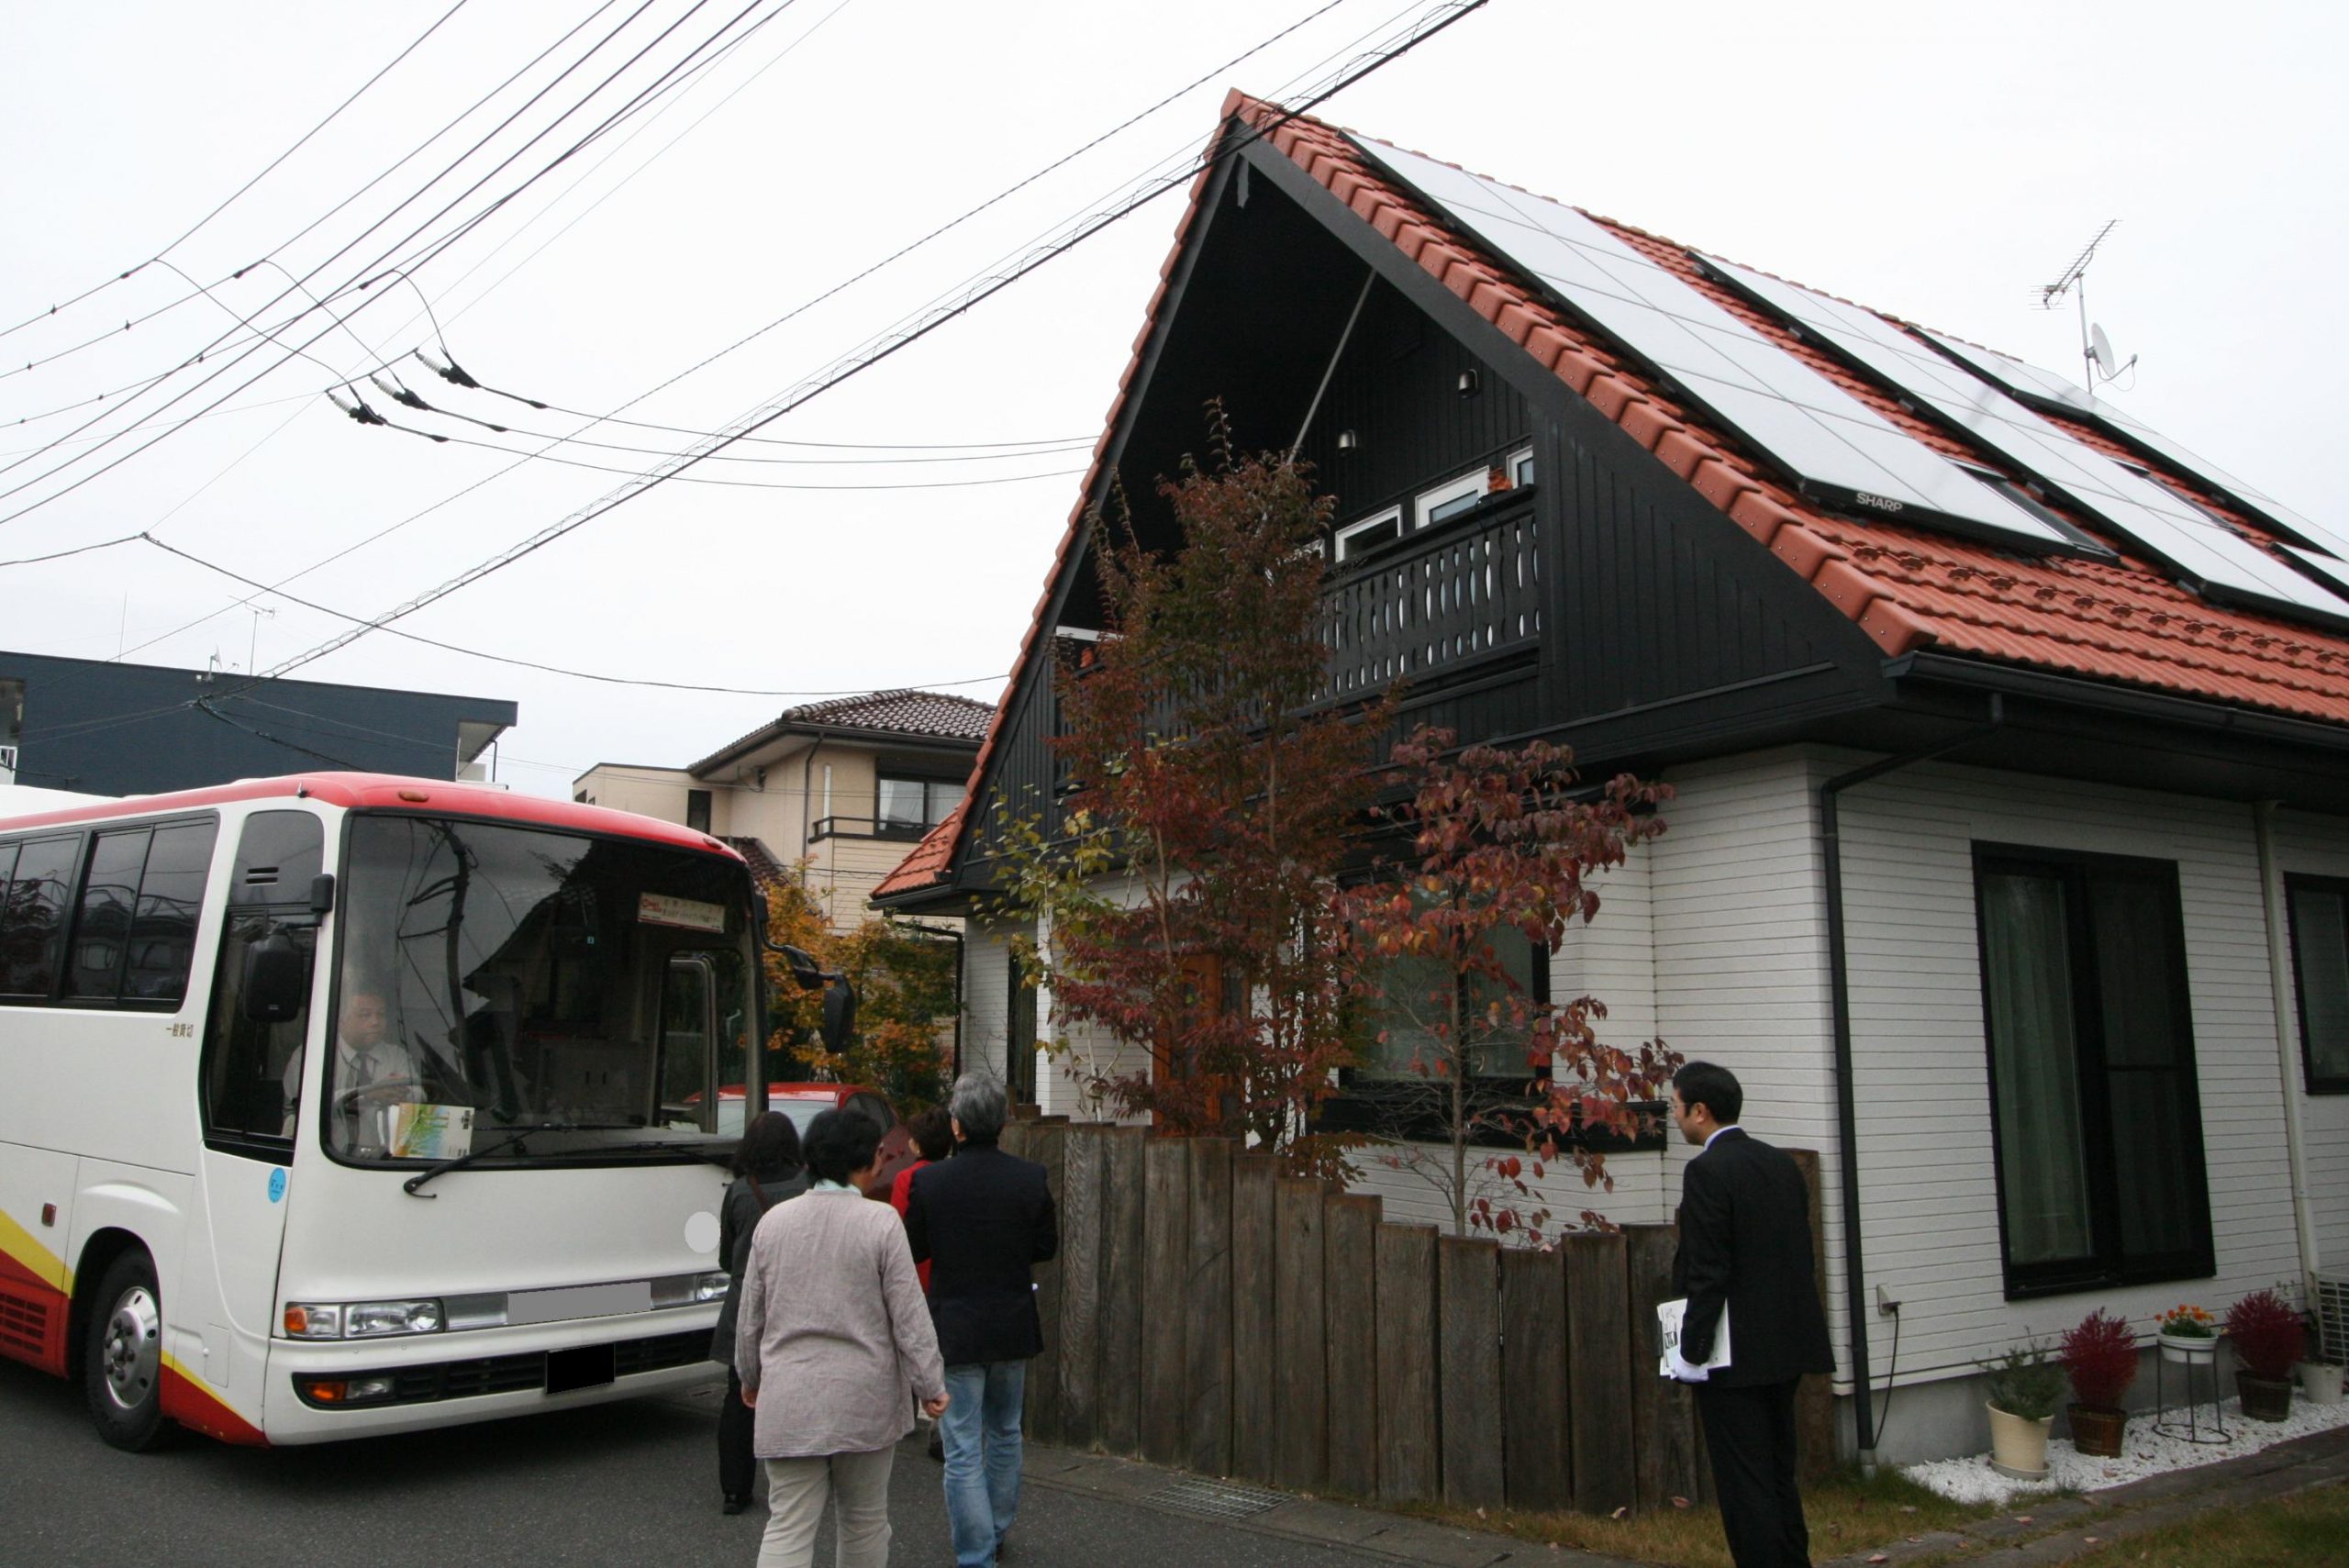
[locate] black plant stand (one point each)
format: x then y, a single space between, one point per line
2166 1415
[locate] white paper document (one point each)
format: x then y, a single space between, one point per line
1668 1315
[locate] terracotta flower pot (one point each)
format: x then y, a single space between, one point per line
2018 1445
2265 1398
2097 1429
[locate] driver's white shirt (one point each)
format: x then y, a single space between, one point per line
387 1060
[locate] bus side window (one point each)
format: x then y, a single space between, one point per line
136 931
32 915
250 1081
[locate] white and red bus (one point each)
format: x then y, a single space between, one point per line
339 1104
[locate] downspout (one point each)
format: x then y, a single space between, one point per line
1847 1119
2280 969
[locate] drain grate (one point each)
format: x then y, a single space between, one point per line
1217 1499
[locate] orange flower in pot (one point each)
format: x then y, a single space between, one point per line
2100 1358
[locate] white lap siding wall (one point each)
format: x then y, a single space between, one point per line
987 995
1929 1180
2317 846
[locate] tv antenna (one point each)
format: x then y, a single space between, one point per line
2097 352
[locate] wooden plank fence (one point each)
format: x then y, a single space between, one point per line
1207 1312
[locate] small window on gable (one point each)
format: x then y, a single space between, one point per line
1521 467
1360 539
1449 499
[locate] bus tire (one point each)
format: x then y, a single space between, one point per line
122 1358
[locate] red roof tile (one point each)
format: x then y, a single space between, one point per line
927 865
1907 588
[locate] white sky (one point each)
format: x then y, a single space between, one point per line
1940 162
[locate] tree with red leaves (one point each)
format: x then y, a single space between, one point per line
1185 899
1502 852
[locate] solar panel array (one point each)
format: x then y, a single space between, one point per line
1829 443
2033 384
2157 519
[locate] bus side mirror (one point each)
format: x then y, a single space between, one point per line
276 981
839 1014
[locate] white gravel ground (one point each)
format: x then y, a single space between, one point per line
2143 1452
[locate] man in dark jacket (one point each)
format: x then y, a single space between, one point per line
981 1220
1745 1249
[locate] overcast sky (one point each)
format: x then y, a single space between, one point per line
1938 162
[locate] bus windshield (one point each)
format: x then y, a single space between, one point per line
495 978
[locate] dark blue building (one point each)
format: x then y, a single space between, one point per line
110 729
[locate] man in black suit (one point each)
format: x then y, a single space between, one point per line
1745 1248
981 1220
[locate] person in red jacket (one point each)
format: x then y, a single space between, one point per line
932 1132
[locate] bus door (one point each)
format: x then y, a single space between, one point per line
253 1073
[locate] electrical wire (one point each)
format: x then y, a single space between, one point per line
922 325
740 343
231 199
660 84
78 550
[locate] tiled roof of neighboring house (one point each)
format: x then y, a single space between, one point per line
926 715
767 873
1907 588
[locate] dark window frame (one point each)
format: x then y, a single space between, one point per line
887 826
2107 1266
2312 1081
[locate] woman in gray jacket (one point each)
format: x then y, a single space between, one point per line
766 1171
833 1334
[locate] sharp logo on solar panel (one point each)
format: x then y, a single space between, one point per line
1881 503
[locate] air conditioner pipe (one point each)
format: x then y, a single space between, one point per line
1847 1119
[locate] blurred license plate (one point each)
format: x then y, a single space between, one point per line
579 1301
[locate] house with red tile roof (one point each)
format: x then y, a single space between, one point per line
2009 860
845 783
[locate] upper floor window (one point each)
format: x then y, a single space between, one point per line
908 802
2319 920
698 810
2094 1108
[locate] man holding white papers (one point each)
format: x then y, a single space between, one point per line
1745 1251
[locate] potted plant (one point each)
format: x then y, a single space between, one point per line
2024 1387
2268 1341
2100 1358
2188 1334
2320 1382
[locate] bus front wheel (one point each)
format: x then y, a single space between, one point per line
122 1360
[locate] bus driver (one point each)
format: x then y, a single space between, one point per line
366 1056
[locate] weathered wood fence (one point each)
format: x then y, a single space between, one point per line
1207 1311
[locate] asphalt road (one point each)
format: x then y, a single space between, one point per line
633 1483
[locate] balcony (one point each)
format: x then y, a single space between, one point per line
867 827
1437 601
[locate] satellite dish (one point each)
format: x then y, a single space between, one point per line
2100 350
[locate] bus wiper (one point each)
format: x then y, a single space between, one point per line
723 1158
460 1162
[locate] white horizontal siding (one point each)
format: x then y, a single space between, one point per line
987 995
1929 1183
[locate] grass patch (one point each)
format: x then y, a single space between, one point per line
2310 1526
1847 1515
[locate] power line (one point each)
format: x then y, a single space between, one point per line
661 83
262 588
890 343
232 198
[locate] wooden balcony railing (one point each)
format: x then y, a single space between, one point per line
1414 610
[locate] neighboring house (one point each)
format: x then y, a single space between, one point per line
845 785
2008 865
95 726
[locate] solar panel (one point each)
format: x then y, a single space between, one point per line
2032 384
2161 522
1831 444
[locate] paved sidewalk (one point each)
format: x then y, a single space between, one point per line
2038 1535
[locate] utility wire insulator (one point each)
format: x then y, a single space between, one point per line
357 409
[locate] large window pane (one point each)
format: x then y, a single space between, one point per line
2156 1186
2034 1055
902 805
32 925
2321 961
102 930
170 893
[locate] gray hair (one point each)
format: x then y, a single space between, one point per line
978 1104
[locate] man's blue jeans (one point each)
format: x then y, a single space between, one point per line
980 1434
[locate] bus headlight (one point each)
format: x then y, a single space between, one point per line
711 1287
360 1319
